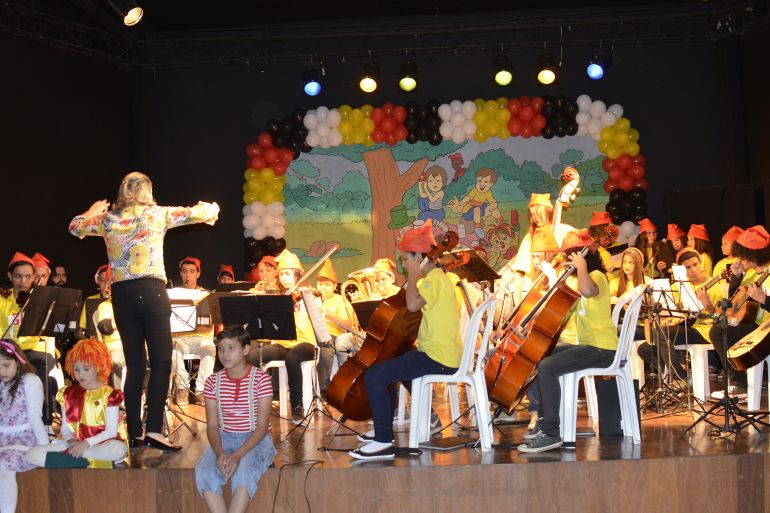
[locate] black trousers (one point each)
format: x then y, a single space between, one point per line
293 358
142 315
733 335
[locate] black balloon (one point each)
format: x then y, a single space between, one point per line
435 139
548 110
298 116
411 123
637 194
286 125
296 153
423 133
617 218
433 105
299 133
640 208
276 246
612 207
559 101
294 145
638 217
572 127
273 127
561 120
423 112
434 123
572 109
249 242
306 148
411 107
411 138
547 132
560 131
616 196
280 141
627 206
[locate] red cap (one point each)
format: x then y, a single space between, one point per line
755 237
193 260
269 260
226 268
20 257
674 232
732 234
698 231
645 225
418 240
41 261
577 239
600 218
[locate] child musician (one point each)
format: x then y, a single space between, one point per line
237 426
698 239
728 239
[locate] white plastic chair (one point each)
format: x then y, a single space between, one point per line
699 363
637 364
754 378
471 376
618 368
309 381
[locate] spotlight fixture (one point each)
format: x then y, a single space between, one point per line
311 81
503 70
408 80
129 10
369 75
600 62
547 69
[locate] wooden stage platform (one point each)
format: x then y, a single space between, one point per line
666 473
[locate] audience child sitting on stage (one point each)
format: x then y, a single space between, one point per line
597 340
698 239
226 274
21 425
728 239
92 430
241 448
439 350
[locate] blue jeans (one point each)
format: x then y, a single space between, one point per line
404 368
208 476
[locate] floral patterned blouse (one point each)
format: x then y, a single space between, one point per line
134 235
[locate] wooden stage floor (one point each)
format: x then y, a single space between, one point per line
667 472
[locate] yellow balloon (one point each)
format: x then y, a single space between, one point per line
246 187
250 197
345 111
250 173
479 103
603 146
276 186
632 148
491 128
367 109
622 125
607 134
613 151
266 196
502 102
491 106
347 140
266 175
359 137
279 198
256 184
480 117
368 141
502 116
345 128
367 126
356 115
282 179
480 136
621 138
504 132
633 134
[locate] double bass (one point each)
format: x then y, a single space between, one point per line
391 332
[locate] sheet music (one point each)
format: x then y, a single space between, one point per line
183 294
316 315
687 298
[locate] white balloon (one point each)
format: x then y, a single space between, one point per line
596 137
246 210
469 109
582 130
333 118
597 109
628 228
621 239
277 231
275 208
267 220
257 208
446 129
322 112
247 233
456 105
458 119
582 118
322 130
324 143
313 139
259 232
335 138
616 110
280 219
583 101
310 120
444 112
250 221
608 119
594 126
469 127
458 136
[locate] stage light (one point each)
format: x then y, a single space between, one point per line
129 10
408 80
547 70
503 70
600 63
369 75
311 81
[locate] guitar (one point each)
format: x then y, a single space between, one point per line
744 309
751 349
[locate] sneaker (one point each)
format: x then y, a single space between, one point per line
435 424
297 414
368 437
374 451
541 443
181 397
535 430
733 391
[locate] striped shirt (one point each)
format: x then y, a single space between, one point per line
234 398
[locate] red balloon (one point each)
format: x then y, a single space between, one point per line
641 183
271 155
636 172
537 132
537 103
639 159
616 174
285 155
526 131
515 125
388 124
608 164
399 113
265 140
626 183
610 186
391 139
378 115
257 162
624 162
378 134
514 104
400 132
388 108
524 100
526 113
280 168
538 122
253 149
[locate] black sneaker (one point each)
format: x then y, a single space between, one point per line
535 431
297 414
435 424
368 437
541 443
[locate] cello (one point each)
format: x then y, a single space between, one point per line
391 332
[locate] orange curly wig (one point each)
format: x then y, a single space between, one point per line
92 352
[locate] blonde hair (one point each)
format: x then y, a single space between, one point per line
135 189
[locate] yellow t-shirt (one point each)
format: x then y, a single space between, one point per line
305 332
722 265
439 334
706 264
593 322
83 323
704 325
336 305
476 199
8 310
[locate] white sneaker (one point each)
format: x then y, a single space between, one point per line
733 391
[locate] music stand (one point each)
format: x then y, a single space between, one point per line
468 265
364 311
263 316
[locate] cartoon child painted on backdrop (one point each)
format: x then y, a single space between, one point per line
479 203
430 198
503 241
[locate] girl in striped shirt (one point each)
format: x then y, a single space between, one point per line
238 402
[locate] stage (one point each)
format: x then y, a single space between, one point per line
699 472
